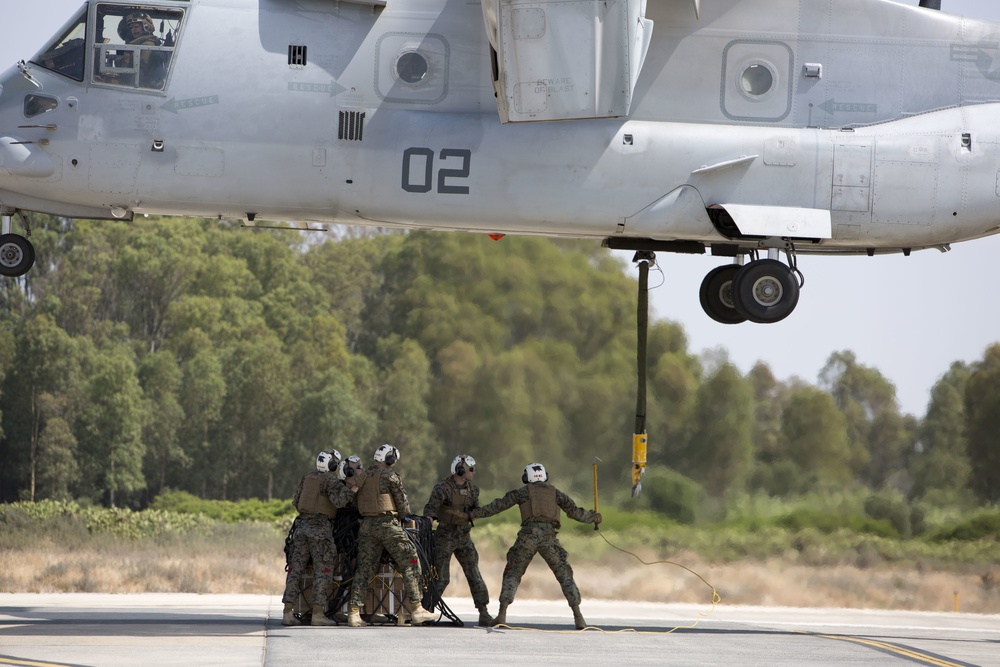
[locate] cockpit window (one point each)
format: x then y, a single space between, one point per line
35 105
134 44
65 54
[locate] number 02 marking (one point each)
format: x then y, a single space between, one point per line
418 170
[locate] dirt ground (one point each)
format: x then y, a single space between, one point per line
685 580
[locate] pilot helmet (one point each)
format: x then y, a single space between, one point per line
142 18
327 459
534 472
462 464
387 454
349 467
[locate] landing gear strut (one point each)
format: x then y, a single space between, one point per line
17 255
764 291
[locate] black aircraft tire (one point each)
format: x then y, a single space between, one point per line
716 295
765 291
17 255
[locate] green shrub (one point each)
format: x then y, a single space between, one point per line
779 479
890 506
984 524
60 519
830 522
673 494
228 511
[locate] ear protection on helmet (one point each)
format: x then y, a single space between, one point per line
327 459
387 454
349 466
462 464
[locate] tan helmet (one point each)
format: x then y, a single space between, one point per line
125 25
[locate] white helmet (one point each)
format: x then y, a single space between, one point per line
534 472
324 458
349 466
387 454
462 463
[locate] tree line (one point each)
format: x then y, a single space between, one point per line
197 356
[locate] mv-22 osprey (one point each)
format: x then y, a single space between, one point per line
753 128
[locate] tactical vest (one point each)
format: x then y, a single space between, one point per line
370 501
541 504
312 500
454 508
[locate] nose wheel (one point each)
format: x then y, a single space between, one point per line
764 291
17 255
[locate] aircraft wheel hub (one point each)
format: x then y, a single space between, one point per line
11 255
767 291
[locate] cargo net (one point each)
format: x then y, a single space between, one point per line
386 594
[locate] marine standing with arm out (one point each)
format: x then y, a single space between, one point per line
450 503
317 498
540 505
381 501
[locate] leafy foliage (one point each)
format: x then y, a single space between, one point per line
189 355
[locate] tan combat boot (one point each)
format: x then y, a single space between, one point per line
419 615
501 617
354 617
288 617
403 617
319 617
485 620
578 617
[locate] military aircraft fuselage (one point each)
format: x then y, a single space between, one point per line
748 126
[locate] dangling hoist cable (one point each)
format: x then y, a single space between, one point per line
644 258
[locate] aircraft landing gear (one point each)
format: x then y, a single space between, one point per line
764 291
717 295
17 255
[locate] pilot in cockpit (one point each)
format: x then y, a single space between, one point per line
137 28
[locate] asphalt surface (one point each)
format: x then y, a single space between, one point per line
77 629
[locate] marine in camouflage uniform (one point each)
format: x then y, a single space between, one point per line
317 499
381 501
540 504
450 503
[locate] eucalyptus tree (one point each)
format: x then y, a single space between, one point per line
109 427
43 383
880 440
982 409
719 450
942 460
814 438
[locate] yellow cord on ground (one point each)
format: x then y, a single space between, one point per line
716 599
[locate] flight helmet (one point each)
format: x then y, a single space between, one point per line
387 454
125 25
349 466
462 463
327 459
534 472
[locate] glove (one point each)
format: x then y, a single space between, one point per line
597 517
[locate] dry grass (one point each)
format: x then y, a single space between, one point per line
231 561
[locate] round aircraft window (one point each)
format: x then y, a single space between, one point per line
757 80
411 67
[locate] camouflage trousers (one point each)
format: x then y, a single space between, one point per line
542 538
378 533
457 540
313 541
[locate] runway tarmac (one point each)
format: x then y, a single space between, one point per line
77 629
